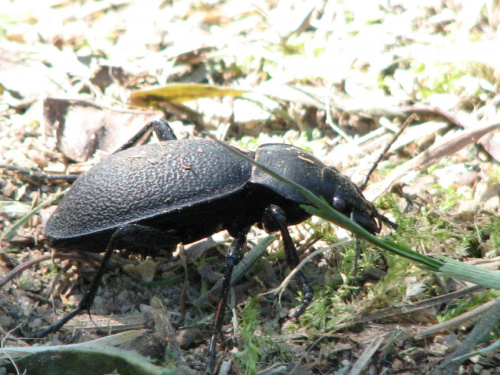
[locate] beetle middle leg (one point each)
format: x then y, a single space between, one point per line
233 256
274 219
132 234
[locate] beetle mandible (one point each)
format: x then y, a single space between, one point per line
180 191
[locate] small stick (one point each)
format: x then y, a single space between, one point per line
43 258
408 121
40 176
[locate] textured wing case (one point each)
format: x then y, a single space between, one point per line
147 181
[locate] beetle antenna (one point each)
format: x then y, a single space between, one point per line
407 122
386 221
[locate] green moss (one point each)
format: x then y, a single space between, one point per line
252 343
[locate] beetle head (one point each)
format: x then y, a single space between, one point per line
345 197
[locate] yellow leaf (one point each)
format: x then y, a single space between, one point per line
181 92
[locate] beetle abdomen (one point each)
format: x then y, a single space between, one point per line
147 181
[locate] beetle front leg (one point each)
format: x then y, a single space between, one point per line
233 256
274 219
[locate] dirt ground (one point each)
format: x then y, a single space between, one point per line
338 79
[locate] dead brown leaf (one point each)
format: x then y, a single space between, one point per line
82 127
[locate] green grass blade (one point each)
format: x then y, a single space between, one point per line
444 266
11 232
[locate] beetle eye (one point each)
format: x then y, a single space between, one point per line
338 203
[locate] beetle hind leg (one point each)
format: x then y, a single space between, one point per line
274 218
161 128
124 234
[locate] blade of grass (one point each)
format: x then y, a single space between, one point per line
11 232
443 266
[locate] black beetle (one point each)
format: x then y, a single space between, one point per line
180 191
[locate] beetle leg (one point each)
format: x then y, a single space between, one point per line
233 256
161 128
274 217
124 234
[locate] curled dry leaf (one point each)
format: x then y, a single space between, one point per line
82 127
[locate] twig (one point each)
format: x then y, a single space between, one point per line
40 176
469 315
431 156
407 122
435 111
284 284
362 361
43 258
482 329
409 309
420 305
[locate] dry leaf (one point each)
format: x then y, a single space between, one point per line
181 92
83 127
